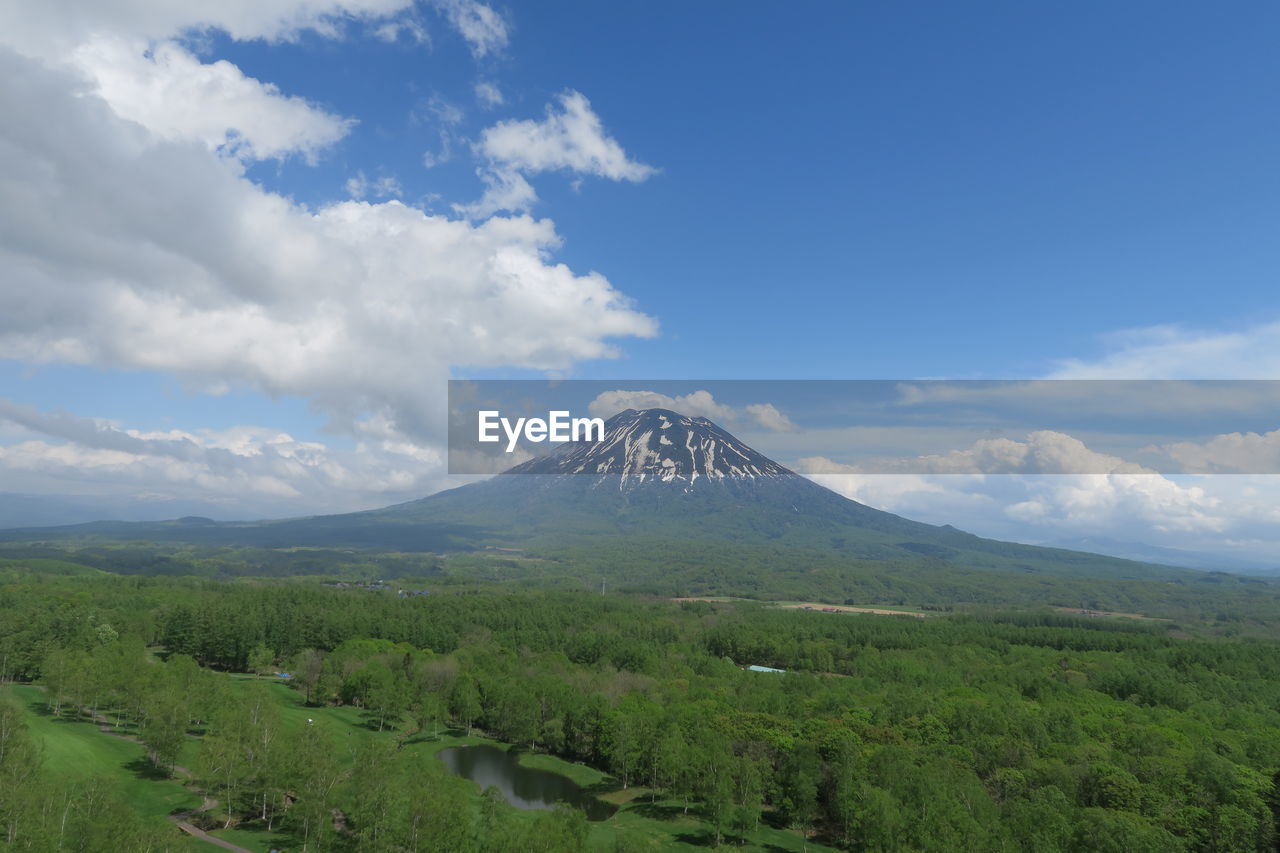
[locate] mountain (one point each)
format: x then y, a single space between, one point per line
1208 561
660 489
22 510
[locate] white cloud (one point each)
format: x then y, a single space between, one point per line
242 466
504 190
53 28
571 139
431 159
768 416
126 49
411 28
1041 452
1174 352
488 94
129 239
436 110
1032 500
1127 507
121 249
485 31
360 187
1096 502
178 98
697 404
1233 453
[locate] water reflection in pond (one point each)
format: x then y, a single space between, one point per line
523 787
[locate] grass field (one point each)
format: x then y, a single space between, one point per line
78 750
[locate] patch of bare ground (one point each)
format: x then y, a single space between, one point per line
850 608
1080 611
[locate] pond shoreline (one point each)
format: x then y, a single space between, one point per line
524 787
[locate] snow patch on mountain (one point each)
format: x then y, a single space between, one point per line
658 446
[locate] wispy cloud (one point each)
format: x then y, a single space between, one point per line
1177 352
488 94
570 138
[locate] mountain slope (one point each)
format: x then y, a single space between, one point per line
659 484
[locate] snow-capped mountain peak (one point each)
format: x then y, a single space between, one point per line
658 446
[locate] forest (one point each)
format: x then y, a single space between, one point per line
974 729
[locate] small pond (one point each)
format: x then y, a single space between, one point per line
523 787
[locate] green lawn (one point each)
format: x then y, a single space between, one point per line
79 750
258 840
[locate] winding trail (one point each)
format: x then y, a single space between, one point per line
181 819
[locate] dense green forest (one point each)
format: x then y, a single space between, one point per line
1231 605
981 730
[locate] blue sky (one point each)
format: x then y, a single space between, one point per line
895 191
284 245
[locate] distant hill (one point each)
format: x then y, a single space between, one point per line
659 484
1201 560
24 510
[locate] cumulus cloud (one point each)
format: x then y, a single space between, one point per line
132 237
1094 502
54 28
1041 495
1059 483
127 49
698 404
1132 507
1232 453
177 97
504 190
122 248
767 415
1041 452
242 465
571 137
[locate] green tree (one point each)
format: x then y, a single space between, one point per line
164 723
262 661
799 777
464 702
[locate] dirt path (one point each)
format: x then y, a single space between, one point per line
848 608
1078 611
181 819
814 605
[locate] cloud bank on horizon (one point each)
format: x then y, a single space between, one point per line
141 230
